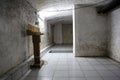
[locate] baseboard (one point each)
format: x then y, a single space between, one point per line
19 71
90 54
45 50
24 76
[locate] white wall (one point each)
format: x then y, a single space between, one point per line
90 32
46 39
58 33
114 38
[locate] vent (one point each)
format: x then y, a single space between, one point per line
60 51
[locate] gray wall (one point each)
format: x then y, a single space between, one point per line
90 32
67 33
114 38
58 33
15 46
63 33
46 39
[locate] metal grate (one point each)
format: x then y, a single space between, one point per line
60 51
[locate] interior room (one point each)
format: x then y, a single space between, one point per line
59 40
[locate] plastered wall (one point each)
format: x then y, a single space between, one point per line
58 33
114 37
46 38
63 33
67 33
90 32
15 45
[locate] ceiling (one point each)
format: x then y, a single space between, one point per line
56 16
58 10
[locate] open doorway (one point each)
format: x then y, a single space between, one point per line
62 38
61 26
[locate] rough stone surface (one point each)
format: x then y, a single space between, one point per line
114 37
15 45
90 32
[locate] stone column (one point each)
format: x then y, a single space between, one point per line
36 46
36 34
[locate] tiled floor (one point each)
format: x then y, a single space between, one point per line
64 66
62 47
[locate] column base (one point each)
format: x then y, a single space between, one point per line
37 65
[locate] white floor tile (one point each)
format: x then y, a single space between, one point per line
87 67
77 78
100 67
61 74
64 66
106 73
112 67
84 63
38 78
76 74
94 78
60 78
111 78
91 74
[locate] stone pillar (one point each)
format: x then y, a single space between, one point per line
36 34
36 46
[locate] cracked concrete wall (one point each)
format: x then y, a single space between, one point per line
15 45
114 37
90 32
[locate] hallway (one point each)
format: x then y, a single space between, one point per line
60 39
64 66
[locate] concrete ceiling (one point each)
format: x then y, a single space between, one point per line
60 10
56 16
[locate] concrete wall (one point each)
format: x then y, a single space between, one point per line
58 33
15 45
46 39
90 32
114 38
63 33
67 33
